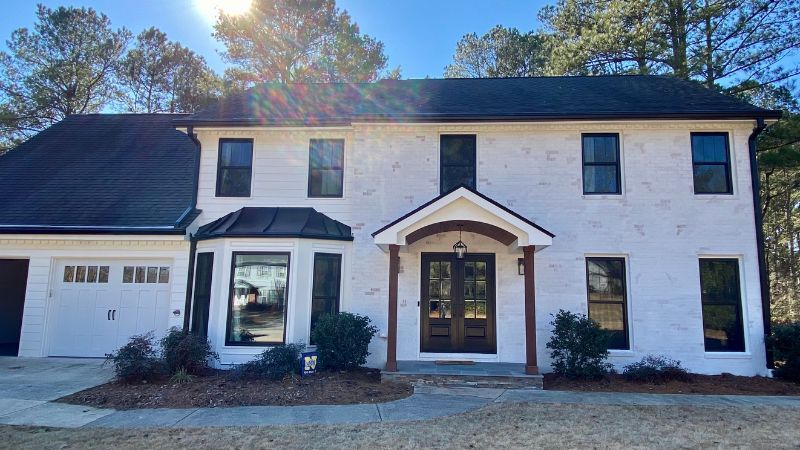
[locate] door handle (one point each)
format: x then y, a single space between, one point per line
114 314
109 314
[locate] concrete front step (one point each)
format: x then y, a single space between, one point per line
477 381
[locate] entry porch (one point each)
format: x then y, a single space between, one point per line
454 303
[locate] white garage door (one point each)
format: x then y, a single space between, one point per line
99 304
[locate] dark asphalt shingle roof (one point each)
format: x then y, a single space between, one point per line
100 171
280 222
537 98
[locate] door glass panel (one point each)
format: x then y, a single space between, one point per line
139 278
469 270
480 311
469 289
480 290
446 289
433 309
80 274
152 274
91 274
69 274
103 276
434 290
469 309
445 311
480 270
435 273
445 269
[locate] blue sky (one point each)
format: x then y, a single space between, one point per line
419 35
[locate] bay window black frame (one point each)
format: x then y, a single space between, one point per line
311 169
221 168
229 300
726 164
589 301
616 164
336 298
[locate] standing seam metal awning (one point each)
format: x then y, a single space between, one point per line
275 222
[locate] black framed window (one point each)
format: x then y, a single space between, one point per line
601 168
326 286
711 163
234 167
326 168
204 269
720 294
457 161
605 280
258 296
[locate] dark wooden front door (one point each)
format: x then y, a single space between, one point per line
457 304
13 282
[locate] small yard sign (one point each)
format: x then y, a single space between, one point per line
308 363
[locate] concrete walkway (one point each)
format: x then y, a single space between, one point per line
27 387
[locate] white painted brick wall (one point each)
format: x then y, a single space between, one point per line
658 224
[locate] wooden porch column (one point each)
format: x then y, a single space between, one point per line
531 367
391 345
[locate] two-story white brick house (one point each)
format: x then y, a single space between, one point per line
457 214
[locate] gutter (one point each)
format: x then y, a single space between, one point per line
759 222
187 309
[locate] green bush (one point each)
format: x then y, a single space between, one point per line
181 376
579 346
342 340
656 369
785 345
184 350
137 360
274 364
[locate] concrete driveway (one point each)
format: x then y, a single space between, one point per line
27 384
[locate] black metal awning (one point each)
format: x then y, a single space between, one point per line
275 222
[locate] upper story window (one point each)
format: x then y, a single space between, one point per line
234 167
720 294
326 168
711 161
457 161
601 171
605 280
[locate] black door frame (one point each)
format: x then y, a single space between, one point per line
458 341
13 288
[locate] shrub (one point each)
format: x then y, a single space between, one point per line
137 360
785 345
275 363
181 376
342 340
656 369
579 347
184 350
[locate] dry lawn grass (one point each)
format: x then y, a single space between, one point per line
498 426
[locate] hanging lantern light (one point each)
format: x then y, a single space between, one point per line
460 248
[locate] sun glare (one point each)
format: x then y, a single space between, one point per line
210 9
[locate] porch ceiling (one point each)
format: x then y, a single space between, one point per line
471 210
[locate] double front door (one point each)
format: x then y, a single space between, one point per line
458 303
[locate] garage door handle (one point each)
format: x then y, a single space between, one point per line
109 314
114 314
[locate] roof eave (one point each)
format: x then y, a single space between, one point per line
424 118
37 229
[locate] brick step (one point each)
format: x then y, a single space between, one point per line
477 381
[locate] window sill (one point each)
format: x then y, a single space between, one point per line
621 353
604 196
728 355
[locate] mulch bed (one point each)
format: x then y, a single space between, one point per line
725 384
220 389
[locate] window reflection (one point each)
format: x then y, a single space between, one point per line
257 310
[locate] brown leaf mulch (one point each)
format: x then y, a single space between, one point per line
725 384
219 389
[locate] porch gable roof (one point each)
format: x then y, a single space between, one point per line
463 204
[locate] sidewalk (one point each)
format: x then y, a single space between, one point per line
427 402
